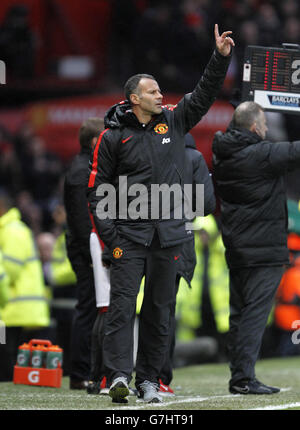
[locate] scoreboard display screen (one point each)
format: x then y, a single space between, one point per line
271 77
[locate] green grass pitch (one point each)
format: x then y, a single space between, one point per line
202 387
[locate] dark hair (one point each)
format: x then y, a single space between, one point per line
133 82
90 128
246 114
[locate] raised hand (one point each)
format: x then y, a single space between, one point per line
223 42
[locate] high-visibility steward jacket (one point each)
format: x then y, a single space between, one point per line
188 308
62 277
27 304
287 308
61 272
4 285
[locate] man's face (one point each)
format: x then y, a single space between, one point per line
261 125
149 97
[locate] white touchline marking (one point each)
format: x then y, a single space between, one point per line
186 400
276 407
172 402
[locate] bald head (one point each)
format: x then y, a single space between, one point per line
45 243
250 115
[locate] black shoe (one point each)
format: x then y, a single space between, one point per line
273 389
78 385
93 387
252 386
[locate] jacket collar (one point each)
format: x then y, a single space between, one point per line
121 114
247 135
232 141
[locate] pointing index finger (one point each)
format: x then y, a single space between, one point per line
217 31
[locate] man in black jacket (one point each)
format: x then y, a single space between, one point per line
78 247
196 172
249 173
144 143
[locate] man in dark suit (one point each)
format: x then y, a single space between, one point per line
78 246
250 172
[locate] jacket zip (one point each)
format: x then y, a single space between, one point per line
147 243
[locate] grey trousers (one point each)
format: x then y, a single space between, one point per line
251 297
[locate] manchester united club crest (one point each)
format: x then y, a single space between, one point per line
161 128
117 253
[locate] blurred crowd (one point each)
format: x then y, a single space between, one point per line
173 40
18 42
32 174
174 44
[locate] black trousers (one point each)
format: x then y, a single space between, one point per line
97 364
251 297
83 320
166 374
160 267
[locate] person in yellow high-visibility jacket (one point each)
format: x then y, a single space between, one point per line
26 312
4 297
61 279
4 285
61 271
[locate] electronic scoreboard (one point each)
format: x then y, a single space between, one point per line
271 77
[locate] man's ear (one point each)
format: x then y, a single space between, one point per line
253 127
134 98
94 141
